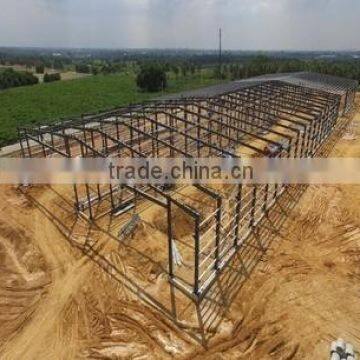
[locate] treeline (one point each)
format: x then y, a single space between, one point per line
262 65
183 62
176 69
100 67
259 65
153 76
184 68
10 78
34 60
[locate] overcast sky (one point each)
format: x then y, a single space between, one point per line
247 24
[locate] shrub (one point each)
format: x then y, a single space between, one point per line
40 69
151 78
11 78
51 77
83 69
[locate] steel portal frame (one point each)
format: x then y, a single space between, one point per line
292 119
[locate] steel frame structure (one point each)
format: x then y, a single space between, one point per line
292 120
346 88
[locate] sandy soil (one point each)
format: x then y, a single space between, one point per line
287 295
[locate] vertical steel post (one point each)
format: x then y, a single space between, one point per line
170 239
21 144
218 231
76 198
253 205
237 214
186 128
89 200
197 255
266 197
198 132
157 133
41 138
28 145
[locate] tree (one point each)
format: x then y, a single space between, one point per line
151 78
82 68
51 77
219 73
176 71
11 78
184 70
58 64
40 68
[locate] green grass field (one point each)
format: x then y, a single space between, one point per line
46 103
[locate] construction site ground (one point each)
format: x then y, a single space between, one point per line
69 290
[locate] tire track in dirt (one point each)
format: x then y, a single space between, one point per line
311 280
303 295
67 275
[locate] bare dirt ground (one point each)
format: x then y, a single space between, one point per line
286 297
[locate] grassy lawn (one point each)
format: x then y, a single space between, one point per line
46 103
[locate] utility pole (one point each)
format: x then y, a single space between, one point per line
220 51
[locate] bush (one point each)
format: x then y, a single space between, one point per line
151 78
10 78
40 69
51 77
83 69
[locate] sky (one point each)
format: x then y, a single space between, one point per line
246 24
